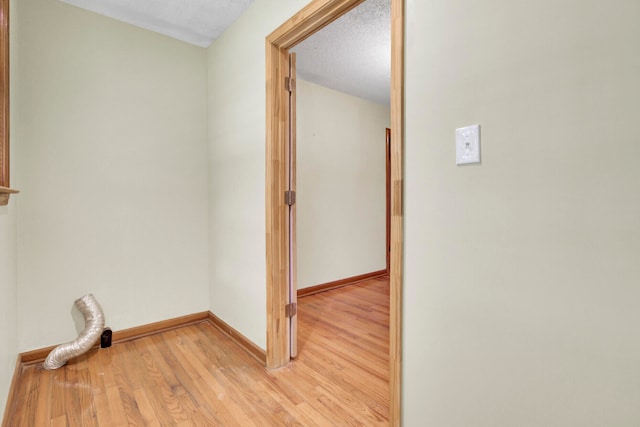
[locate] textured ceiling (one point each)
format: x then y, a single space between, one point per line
351 55
198 22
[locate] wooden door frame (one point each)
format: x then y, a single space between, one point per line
310 19
387 156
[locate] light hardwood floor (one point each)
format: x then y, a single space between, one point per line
196 376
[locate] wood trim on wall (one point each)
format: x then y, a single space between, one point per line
397 211
4 93
250 347
387 156
276 210
312 18
5 191
340 283
157 327
37 356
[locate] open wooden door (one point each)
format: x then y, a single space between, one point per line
292 307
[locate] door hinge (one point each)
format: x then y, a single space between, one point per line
291 309
290 198
290 84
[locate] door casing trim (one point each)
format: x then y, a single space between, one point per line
307 21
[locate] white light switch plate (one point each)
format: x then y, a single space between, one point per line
468 145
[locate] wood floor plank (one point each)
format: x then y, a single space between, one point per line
24 410
102 407
147 410
210 392
125 387
156 394
168 390
196 376
309 412
58 381
79 406
43 406
60 421
106 371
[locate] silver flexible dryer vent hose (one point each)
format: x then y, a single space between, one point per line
93 326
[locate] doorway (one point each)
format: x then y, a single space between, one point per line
313 17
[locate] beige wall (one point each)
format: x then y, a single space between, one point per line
236 67
8 299
8 277
522 273
341 167
111 160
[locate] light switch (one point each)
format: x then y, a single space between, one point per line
468 145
